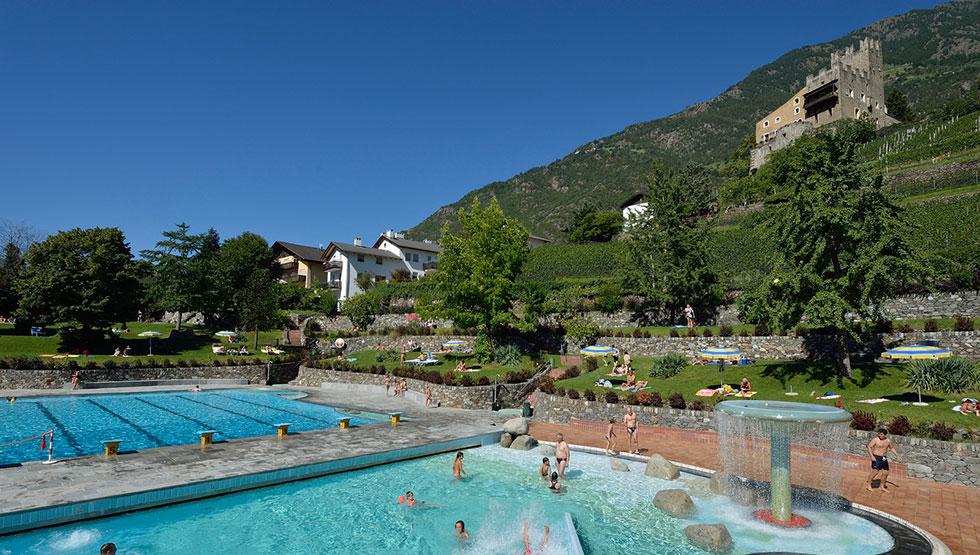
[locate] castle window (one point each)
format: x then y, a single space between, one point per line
857 112
777 119
796 100
850 93
796 110
765 123
862 97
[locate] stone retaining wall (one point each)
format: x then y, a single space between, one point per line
473 397
56 378
963 343
942 461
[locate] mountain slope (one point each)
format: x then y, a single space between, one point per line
929 55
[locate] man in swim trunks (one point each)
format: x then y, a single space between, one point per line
561 455
528 550
629 419
878 449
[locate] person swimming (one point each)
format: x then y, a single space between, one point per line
461 533
554 484
528 550
407 499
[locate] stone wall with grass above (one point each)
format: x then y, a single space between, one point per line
56 378
943 461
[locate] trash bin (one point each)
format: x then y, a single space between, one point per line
526 409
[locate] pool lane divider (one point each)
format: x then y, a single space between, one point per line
62 430
159 442
278 409
205 425
22 521
236 413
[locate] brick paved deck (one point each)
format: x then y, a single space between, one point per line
950 512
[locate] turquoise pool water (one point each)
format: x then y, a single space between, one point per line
145 420
357 512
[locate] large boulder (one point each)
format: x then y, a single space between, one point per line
506 439
524 443
710 537
675 502
618 465
516 426
720 483
659 467
547 450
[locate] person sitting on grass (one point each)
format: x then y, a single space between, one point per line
461 366
746 386
630 378
117 352
421 357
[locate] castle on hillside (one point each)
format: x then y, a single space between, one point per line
851 88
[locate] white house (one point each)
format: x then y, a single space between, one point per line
419 256
345 261
633 208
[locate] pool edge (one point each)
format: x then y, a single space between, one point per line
31 519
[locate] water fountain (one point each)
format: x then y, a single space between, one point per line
748 429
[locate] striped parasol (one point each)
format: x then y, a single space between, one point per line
453 345
598 351
910 352
720 353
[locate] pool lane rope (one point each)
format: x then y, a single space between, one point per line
47 442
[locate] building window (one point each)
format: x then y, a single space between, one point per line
765 123
360 258
796 110
428 258
377 260
857 112
778 119
796 100
415 257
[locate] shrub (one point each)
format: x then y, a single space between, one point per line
388 356
573 394
707 333
612 397
637 333
655 399
954 375
676 401
581 330
466 380
691 332
668 365
632 399
483 380
761 330
801 331
546 385
863 420
312 327
108 364
930 325
963 324
589 395
165 363
518 376
647 334
591 364
571 372
899 425
508 355
941 431
726 331
696 404
560 391
673 333
644 399
448 378
904 327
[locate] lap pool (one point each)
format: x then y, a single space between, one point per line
357 512
145 420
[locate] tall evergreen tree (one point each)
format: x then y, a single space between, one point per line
176 283
842 246
11 268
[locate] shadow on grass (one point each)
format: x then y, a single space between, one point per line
912 397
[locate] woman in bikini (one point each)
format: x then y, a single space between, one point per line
746 386
458 466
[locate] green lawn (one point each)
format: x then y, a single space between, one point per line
664 331
195 347
772 379
369 358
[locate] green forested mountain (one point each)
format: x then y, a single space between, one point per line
930 55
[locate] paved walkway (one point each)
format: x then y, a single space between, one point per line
950 512
35 485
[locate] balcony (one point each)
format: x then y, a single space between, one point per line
426 266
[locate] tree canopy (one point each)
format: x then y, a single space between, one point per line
81 277
841 245
479 267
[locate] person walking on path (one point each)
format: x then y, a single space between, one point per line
878 448
629 420
689 314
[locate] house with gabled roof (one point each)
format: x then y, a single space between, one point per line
301 264
344 262
419 256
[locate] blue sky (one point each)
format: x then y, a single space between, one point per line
317 121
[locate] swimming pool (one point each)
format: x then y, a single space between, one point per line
358 512
145 420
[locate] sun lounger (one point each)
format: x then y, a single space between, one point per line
828 397
218 349
872 401
707 392
745 394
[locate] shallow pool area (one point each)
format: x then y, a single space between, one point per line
147 420
358 512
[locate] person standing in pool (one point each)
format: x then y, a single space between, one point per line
458 466
545 469
428 396
107 549
629 420
561 455
878 448
387 384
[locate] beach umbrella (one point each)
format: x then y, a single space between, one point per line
453 345
720 353
911 352
151 335
226 333
598 351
